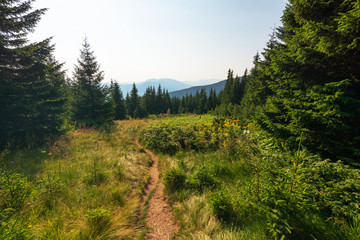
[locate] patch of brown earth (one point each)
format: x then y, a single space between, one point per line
159 216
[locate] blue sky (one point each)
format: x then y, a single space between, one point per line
134 40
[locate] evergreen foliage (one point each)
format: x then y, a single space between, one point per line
92 104
117 95
31 80
134 107
313 73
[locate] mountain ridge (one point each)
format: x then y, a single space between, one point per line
192 90
166 83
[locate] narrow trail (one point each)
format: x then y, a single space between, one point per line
159 216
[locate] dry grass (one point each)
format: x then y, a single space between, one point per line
83 171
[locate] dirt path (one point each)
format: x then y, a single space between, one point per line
159 215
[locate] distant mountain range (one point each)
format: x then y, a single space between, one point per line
166 83
175 88
192 90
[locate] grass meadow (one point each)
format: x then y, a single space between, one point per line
224 181
228 181
86 185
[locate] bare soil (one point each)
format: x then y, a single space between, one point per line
159 216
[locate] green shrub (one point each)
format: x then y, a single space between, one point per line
202 179
95 178
119 172
336 187
50 189
119 196
96 175
98 220
174 179
14 229
14 190
221 206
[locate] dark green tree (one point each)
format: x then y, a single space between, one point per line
160 105
182 106
256 90
149 100
92 104
212 100
314 71
175 105
31 81
119 104
228 91
134 108
201 100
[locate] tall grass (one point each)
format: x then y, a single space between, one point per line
84 186
250 186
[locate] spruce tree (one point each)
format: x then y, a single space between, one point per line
148 100
92 104
201 107
314 75
227 92
31 81
212 100
120 110
134 103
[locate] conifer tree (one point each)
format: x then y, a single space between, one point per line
175 105
159 101
212 101
314 75
92 104
148 100
120 110
167 100
31 81
182 106
201 102
227 92
134 108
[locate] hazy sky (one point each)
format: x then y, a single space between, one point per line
134 40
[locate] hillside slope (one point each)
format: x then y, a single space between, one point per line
166 83
192 90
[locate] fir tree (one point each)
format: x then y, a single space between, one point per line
134 103
160 104
212 101
314 75
201 102
120 110
149 100
227 92
31 81
92 104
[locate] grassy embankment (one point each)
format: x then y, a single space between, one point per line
228 181
87 185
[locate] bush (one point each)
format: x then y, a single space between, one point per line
202 179
50 188
221 206
14 229
119 172
336 187
174 179
14 189
118 196
95 178
98 220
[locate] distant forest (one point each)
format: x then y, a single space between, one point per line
305 84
